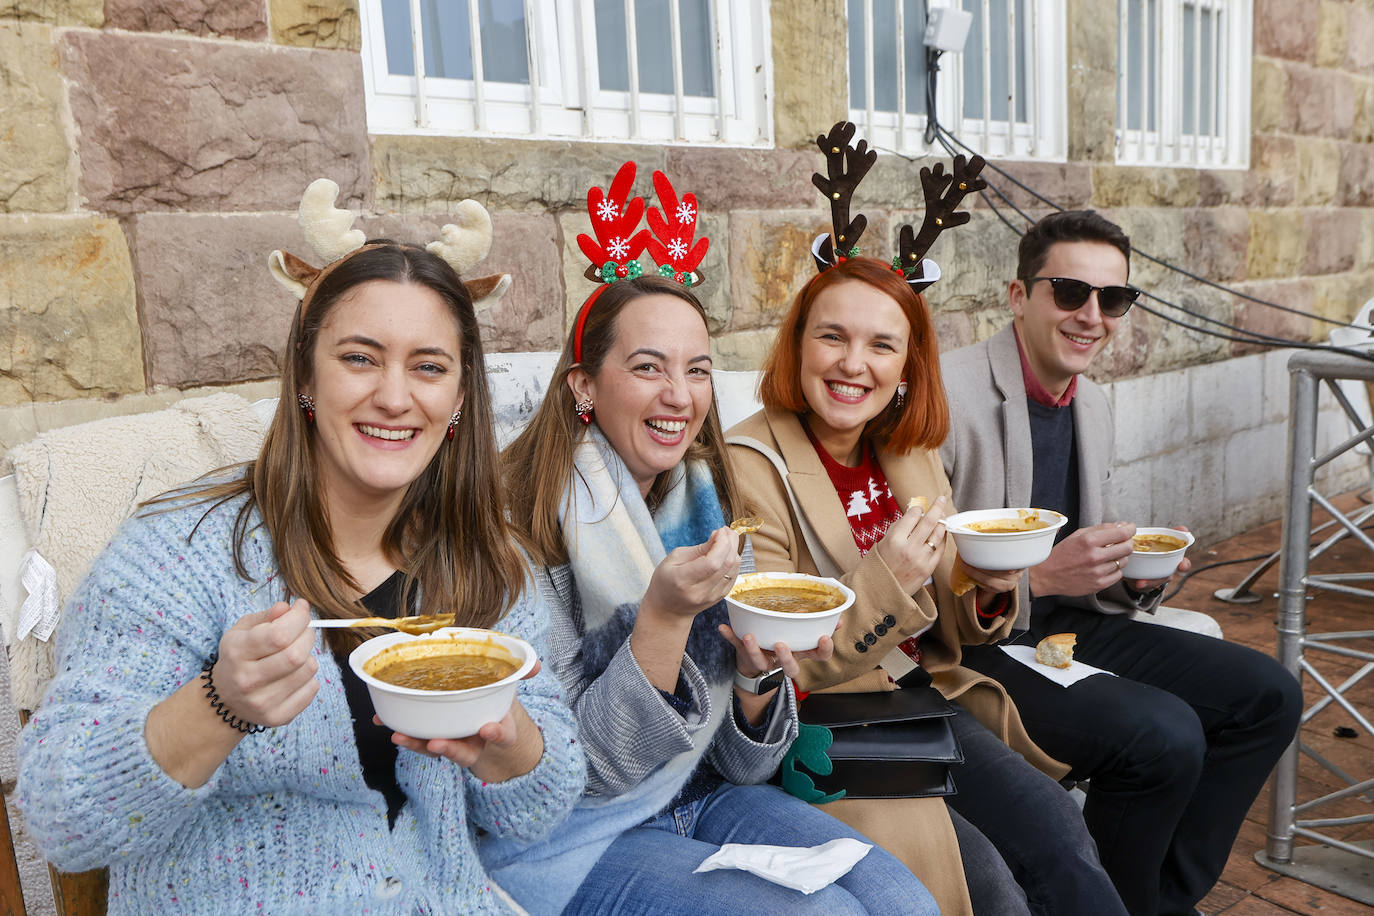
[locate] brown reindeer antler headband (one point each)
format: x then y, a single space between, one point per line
846 166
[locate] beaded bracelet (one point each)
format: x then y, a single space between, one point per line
233 721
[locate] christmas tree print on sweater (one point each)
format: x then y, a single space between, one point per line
863 503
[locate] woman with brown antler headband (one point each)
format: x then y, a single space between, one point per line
199 739
842 466
621 486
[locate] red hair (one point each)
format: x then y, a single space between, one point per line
923 422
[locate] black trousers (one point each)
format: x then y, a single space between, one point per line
1034 825
1177 746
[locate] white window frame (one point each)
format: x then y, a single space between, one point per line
563 99
1043 137
1227 146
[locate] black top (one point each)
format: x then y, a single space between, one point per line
376 753
1054 478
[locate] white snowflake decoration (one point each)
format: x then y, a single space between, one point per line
607 211
677 249
619 248
686 212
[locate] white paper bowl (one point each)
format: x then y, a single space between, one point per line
797 631
1009 550
1154 565
442 713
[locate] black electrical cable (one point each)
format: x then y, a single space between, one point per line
943 133
1254 338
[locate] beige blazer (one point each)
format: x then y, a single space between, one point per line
987 454
883 614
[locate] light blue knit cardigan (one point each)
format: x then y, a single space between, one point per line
287 823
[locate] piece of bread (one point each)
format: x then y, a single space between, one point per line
959 582
1056 651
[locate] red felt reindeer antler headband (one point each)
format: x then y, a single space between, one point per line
614 253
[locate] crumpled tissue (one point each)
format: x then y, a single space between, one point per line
803 868
38 614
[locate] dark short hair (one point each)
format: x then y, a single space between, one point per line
1067 226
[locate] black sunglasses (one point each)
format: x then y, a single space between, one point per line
1070 294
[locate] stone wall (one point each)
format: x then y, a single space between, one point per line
155 151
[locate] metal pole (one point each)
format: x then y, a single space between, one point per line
1297 525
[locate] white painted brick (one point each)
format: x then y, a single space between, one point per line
1276 385
1151 415
1130 485
1187 490
1226 397
1254 470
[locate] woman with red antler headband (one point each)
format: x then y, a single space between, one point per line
200 739
838 464
621 487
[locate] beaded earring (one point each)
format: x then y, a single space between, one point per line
308 405
453 421
901 393
583 409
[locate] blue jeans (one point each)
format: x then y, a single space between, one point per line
650 869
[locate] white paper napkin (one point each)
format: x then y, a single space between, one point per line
1064 677
802 868
38 614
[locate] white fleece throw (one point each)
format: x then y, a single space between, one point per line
76 484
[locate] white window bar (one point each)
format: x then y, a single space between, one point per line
1123 70
679 95
901 67
417 54
1158 72
479 100
1011 67
719 51
1033 83
869 57
586 27
632 63
532 55
987 76
1144 74
1221 143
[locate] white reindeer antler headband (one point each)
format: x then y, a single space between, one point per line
329 232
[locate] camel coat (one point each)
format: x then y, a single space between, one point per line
863 639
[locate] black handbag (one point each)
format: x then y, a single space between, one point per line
887 744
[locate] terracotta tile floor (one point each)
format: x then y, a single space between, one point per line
1246 888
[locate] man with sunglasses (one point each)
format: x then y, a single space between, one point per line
1178 744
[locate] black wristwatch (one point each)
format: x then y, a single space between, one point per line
761 683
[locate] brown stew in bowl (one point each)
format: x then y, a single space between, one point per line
436 665
802 598
1157 543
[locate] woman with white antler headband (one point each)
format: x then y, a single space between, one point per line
199 740
838 464
621 487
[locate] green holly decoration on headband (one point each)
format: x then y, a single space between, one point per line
611 271
809 750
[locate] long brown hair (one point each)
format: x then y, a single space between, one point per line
538 465
449 536
924 420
